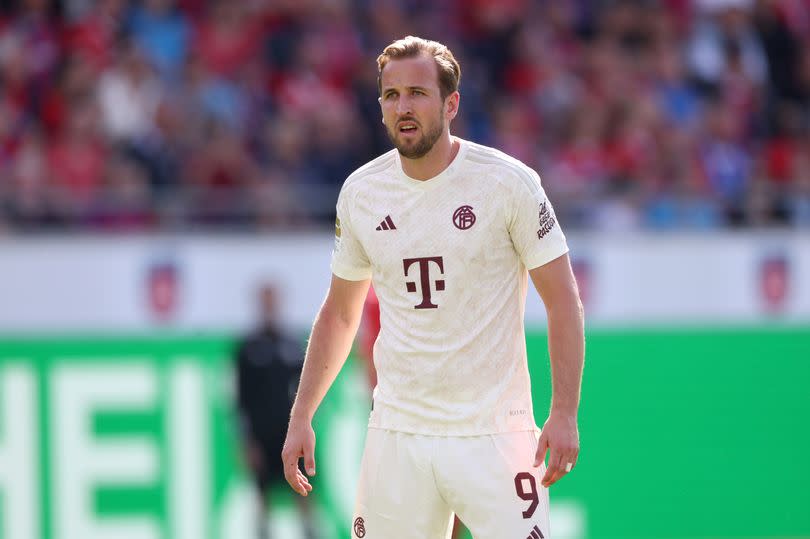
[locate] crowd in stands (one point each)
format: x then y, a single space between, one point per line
163 115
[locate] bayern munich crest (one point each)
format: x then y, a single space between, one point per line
359 527
464 217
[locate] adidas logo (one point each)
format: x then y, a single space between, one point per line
536 534
386 224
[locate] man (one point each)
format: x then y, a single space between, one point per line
447 230
268 364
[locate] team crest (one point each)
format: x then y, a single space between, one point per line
163 289
359 527
464 217
774 282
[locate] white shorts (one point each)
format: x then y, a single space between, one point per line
410 486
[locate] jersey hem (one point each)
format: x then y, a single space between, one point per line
461 434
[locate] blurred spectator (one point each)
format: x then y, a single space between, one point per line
579 167
76 79
129 95
92 37
723 34
30 42
162 33
677 99
782 47
228 37
247 114
725 163
334 155
218 177
215 98
26 187
76 162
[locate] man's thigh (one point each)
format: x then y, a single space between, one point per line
491 483
397 496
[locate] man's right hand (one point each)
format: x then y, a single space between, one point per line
300 443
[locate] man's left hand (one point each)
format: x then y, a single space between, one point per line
560 437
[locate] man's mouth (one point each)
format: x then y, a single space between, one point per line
407 127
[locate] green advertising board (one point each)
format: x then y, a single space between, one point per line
691 433
685 434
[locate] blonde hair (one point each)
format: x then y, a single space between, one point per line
410 47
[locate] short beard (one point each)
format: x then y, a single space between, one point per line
422 146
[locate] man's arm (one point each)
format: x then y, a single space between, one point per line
329 345
557 287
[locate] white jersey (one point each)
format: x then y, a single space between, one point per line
448 258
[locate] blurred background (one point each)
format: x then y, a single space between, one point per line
161 160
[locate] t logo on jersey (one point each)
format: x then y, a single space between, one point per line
424 279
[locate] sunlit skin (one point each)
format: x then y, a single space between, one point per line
416 117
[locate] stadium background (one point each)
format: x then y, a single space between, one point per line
161 159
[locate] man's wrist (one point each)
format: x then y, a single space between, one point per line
567 412
300 416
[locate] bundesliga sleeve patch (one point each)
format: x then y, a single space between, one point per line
337 232
547 220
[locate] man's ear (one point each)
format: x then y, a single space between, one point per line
452 103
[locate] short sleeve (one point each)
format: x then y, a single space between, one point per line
534 229
349 259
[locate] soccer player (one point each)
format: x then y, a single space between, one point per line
450 232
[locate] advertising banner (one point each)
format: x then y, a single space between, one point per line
685 434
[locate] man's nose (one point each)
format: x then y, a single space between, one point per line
403 105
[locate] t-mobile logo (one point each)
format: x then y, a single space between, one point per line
424 279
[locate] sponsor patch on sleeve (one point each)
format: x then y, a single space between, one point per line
547 220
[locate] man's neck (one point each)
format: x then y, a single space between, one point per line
434 162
